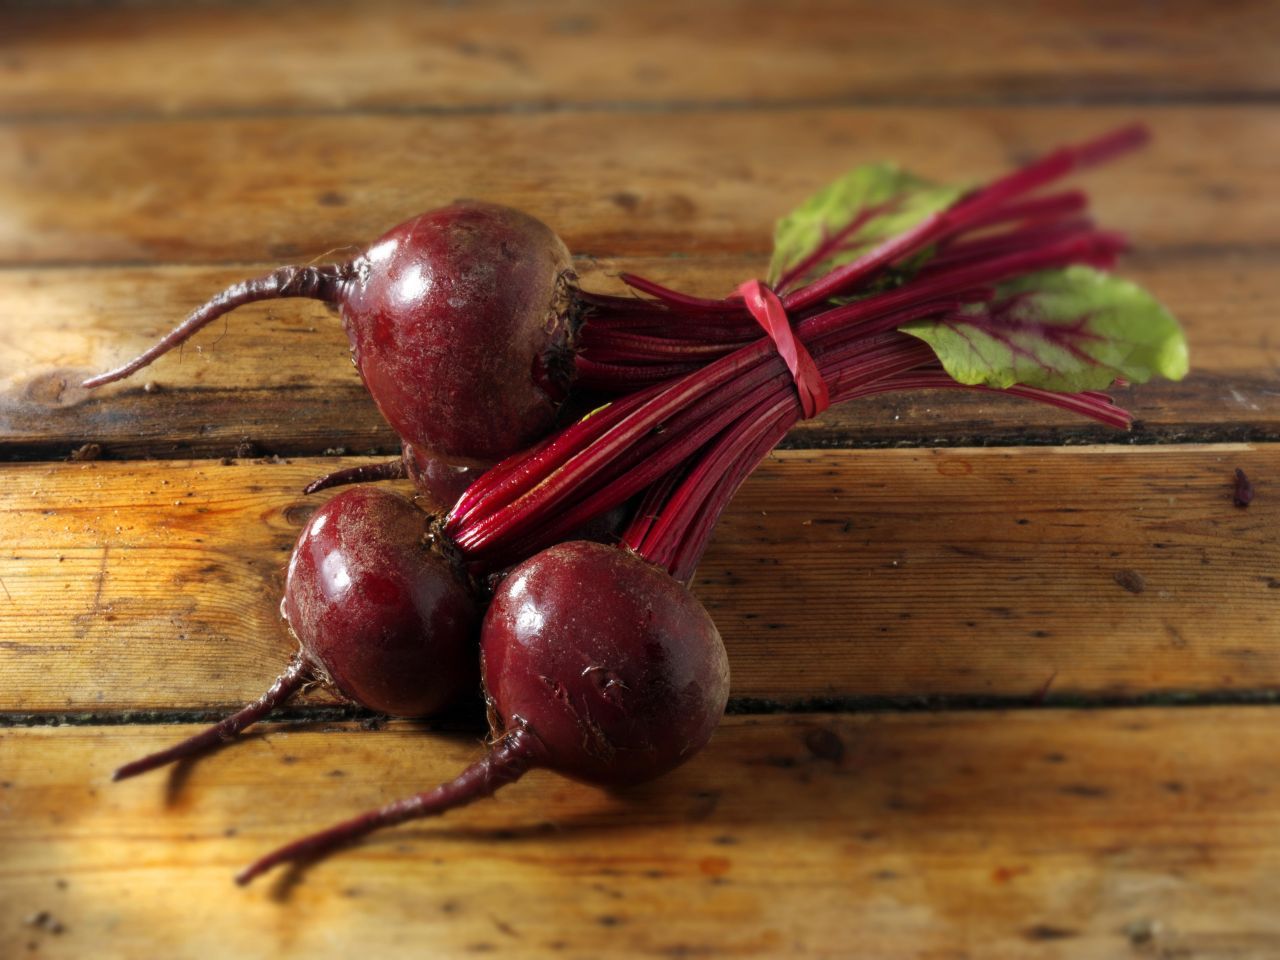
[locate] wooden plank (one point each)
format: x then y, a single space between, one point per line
1057 834
157 58
230 385
1103 571
650 184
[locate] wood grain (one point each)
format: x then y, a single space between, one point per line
278 375
1056 834
1105 571
151 152
174 60
699 182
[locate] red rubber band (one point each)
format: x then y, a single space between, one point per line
764 305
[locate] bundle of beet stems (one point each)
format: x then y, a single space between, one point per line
883 283
993 264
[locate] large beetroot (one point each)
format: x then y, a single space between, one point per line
460 322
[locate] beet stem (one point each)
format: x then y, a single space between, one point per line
602 468
508 760
317 283
975 207
675 298
295 676
365 473
832 244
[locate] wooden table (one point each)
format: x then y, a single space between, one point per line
1004 681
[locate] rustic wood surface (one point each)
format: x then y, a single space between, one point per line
1007 692
702 182
323 55
1046 833
972 573
228 386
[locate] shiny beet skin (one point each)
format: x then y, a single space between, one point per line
443 480
614 667
460 324
379 613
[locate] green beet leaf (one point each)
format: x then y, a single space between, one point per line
1064 330
877 200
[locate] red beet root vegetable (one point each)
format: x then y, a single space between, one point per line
460 324
381 615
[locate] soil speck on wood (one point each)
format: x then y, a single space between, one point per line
86 452
1244 489
1130 580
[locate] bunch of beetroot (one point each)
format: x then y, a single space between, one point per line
565 558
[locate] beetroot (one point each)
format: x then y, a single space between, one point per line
460 322
380 613
612 664
442 480
596 664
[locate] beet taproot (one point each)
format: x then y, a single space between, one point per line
381 615
461 322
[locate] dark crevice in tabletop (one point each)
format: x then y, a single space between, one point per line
856 101
1144 253
325 420
122 449
473 720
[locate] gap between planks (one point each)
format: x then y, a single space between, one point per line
620 109
472 721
